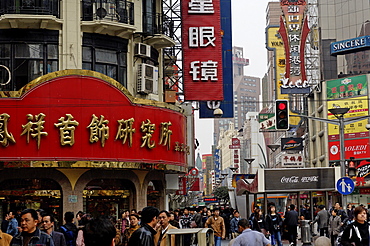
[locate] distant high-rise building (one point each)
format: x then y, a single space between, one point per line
246 94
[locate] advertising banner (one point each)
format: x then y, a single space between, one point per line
357 148
346 88
227 104
294 31
85 118
202 50
292 160
291 144
304 179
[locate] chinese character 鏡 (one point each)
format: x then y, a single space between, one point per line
207 70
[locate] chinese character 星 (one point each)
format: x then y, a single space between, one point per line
125 130
5 136
67 129
34 128
201 7
98 129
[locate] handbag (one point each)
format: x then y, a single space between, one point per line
193 224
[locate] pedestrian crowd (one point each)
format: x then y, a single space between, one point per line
149 227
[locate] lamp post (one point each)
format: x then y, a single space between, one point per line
273 148
249 162
339 114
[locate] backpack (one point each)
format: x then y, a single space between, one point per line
69 236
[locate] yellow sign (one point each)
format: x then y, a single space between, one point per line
275 43
358 107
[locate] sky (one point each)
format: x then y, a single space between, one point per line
249 22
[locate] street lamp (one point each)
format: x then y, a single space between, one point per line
233 169
273 148
249 161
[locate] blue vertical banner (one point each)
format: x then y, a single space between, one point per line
217 163
206 108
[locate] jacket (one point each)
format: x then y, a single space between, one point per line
354 234
40 238
322 218
198 220
12 227
291 218
58 238
5 239
218 226
234 224
144 236
274 223
127 235
334 225
164 237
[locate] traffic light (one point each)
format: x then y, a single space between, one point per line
282 114
352 167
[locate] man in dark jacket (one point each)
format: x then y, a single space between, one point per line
48 228
69 229
291 222
99 232
31 234
322 219
144 236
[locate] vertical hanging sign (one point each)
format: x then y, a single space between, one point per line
294 31
202 50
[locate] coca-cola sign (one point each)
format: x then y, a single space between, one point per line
299 179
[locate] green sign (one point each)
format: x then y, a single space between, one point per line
346 87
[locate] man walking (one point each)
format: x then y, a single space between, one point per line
69 229
249 237
144 236
48 228
291 222
99 232
322 219
160 239
216 222
31 234
234 224
13 224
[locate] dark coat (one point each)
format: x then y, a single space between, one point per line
144 236
58 238
40 238
291 218
274 223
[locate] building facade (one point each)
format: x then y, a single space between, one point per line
117 47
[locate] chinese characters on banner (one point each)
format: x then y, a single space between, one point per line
294 31
202 50
62 127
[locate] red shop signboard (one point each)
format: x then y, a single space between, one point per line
202 50
357 148
83 118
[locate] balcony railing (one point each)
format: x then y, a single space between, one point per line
157 24
112 10
31 7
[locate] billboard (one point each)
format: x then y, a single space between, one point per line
349 93
202 50
78 117
294 31
227 105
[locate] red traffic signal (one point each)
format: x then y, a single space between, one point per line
282 114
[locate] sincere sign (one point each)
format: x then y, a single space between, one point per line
83 118
350 45
202 50
305 179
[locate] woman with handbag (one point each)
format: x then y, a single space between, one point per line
274 225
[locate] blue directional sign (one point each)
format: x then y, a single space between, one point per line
345 186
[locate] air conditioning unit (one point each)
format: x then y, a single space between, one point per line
147 79
142 50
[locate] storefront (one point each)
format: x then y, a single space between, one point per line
77 140
312 185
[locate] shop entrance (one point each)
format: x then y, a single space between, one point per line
19 194
108 197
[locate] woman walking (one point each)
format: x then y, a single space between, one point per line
274 225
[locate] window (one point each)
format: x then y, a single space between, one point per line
28 54
106 55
